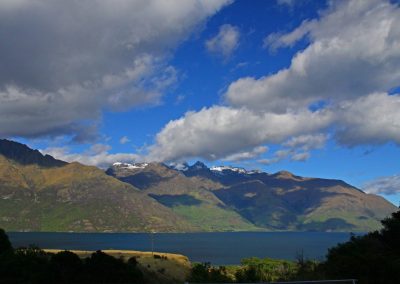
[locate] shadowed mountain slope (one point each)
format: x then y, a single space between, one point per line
189 197
25 156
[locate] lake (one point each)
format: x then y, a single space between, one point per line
217 248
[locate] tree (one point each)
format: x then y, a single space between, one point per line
372 258
5 244
66 267
205 273
103 268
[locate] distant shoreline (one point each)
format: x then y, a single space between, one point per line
197 232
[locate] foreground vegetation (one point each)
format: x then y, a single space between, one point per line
253 270
34 265
372 259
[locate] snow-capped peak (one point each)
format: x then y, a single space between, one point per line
130 166
227 168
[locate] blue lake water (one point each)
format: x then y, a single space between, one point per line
217 248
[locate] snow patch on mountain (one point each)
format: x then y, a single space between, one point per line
227 168
130 166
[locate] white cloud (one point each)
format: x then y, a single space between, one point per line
389 185
350 64
373 119
63 62
277 157
218 132
278 40
301 156
296 149
246 155
124 140
267 162
354 51
225 42
98 148
307 142
98 155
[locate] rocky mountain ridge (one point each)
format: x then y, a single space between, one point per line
24 155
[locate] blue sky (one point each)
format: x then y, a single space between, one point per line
305 86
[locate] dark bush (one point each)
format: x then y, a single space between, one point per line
103 268
205 273
5 244
29 265
372 259
66 267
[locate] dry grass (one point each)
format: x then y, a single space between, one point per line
170 266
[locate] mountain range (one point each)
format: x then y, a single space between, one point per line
41 193
281 201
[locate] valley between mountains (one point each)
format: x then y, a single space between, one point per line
41 193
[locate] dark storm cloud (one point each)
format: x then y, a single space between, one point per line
63 62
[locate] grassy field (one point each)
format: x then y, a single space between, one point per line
168 267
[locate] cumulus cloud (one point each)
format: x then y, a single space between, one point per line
277 157
217 132
389 185
225 42
285 154
372 119
354 50
278 40
307 142
98 155
351 63
297 148
301 156
63 62
246 155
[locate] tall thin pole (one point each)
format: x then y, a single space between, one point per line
152 243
